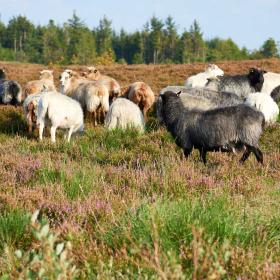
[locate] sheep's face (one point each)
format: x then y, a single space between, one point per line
214 70
93 73
256 78
2 74
46 74
65 80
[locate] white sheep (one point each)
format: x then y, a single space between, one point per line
111 84
91 95
124 114
200 79
264 103
271 81
62 112
45 83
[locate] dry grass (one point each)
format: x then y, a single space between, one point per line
130 204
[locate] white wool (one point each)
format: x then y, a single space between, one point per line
264 103
123 114
200 79
34 98
62 112
271 81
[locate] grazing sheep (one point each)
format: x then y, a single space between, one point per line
124 114
62 112
111 84
271 81
200 79
45 83
199 98
275 94
265 104
241 85
10 91
92 96
30 108
142 95
221 129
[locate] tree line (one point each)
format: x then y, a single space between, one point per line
158 42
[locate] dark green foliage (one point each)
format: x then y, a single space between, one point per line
157 42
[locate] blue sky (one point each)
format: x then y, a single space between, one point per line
248 22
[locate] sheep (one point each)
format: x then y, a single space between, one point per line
10 91
45 83
221 129
30 108
111 84
124 114
265 104
242 85
62 112
142 95
275 94
199 98
92 96
200 79
271 81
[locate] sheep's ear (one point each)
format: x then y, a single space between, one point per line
178 93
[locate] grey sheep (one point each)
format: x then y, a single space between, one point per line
221 129
200 98
10 91
242 85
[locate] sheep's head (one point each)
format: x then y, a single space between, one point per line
256 78
214 70
92 73
65 80
2 74
46 74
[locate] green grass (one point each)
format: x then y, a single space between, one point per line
134 208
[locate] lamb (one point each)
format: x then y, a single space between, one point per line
91 95
45 83
200 79
30 108
10 91
242 85
111 84
62 111
271 81
265 104
142 95
124 114
275 94
220 129
199 98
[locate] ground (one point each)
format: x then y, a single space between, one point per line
130 205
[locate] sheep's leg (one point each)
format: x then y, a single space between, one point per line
53 130
94 118
245 155
187 152
30 123
258 154
202 155
41 130
145 114
70 133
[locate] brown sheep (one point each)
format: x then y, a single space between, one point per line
45 83
142 95
111 84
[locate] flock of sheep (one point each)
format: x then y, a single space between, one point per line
212 112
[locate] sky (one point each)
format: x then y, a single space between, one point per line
248 22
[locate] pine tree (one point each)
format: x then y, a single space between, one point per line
269 48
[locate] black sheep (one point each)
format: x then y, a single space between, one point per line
221 129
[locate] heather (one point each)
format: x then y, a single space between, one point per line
129 206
